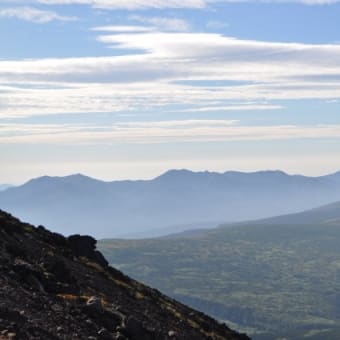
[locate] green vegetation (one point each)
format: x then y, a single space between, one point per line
271 280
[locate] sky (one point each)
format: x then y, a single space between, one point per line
125 89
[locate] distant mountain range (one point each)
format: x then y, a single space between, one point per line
79 204
277 278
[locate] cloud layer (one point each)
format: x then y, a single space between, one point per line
162 4
160 132
166 70
143 4
33 14
131 4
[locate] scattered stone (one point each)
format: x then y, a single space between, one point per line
120 336
85 246
94 305
57 308
104 334
89 321
120 328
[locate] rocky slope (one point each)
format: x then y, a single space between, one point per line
53 287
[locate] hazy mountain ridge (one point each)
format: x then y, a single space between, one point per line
327 214
276 278
74 204
5 186
62 288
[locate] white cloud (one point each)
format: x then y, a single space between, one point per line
131 4
33 14
153 78
160 132
176 56
251 107
179 124
163 23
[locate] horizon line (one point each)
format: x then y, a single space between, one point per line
80 174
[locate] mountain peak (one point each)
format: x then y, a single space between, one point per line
335 174
77 175
75 178
175 173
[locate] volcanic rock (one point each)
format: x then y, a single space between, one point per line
52 287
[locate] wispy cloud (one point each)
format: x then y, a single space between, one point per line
246 107
162 4
33 15
160 132
131 4
163 23
257 70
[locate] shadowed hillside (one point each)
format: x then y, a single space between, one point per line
57 288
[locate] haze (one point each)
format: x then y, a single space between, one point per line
130 89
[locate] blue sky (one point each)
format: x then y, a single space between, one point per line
128 89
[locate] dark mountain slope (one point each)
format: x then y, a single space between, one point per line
75 204
57 288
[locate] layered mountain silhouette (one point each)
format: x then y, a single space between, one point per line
76 204
325 215
52 287
277 278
